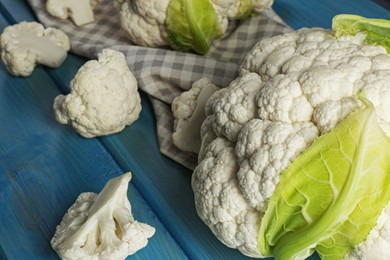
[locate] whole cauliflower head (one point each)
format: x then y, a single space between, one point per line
104 97
291 89
156 23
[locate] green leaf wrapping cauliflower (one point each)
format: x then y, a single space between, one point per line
330 197
183 25
291 89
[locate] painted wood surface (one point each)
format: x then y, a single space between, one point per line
44 166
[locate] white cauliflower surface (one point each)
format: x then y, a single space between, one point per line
26 44
101 226
291 89
143 21
104 97
188 110
79 11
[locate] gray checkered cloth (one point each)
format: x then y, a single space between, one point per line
163 73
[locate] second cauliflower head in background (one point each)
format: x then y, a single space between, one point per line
104 97
182 25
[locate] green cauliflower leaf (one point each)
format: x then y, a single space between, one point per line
377 30
192 25
330 197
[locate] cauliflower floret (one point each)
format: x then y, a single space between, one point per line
281 99
220 203
264 149
235 107
328 113
26 44
188 110
104 97
291 89
80 11
101 226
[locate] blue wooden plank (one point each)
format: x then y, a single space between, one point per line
319 13
44 167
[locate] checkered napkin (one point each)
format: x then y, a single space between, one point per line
163 73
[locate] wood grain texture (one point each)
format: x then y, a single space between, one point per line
319 13
45 165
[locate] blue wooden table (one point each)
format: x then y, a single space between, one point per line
44 166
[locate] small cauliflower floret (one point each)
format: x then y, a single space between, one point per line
291 89
327 114
154 23
26 44
235 107
80 11
281 99
104 97
101 226
188 110
264 149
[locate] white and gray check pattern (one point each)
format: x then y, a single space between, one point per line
161 72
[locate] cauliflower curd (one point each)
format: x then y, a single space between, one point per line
291 89
104 97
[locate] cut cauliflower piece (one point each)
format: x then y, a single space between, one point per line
104 97
101 226
183 25
79 11
26 44
291 88
188 110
